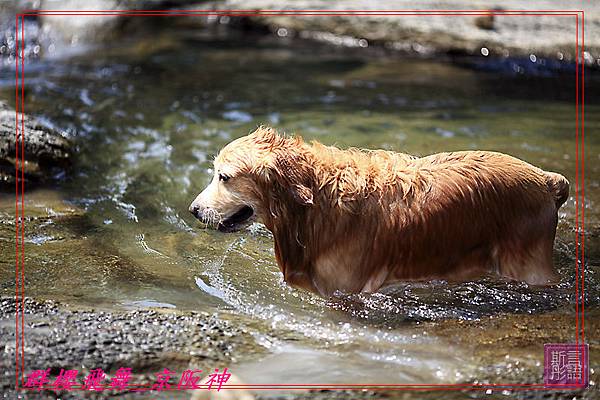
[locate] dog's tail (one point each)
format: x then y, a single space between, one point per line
559 186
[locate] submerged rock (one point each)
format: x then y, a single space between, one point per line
47 152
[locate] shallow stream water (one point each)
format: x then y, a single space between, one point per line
147 118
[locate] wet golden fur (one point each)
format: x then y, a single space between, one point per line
356 220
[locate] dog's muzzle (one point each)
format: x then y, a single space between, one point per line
233 223
207 216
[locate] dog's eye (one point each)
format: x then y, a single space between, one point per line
224 178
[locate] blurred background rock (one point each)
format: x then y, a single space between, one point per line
552 37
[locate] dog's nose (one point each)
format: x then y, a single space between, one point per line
195 210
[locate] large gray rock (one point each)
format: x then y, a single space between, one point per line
552 37
47 152
503 35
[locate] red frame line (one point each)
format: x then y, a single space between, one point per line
282 11
137 14
583 176
19 162
382 386
581 55
319 387
296 12
22 191
577 330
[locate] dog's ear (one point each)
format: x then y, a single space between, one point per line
295 174
302 194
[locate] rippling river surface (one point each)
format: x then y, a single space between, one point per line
147 119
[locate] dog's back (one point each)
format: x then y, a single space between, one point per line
481 212
453 216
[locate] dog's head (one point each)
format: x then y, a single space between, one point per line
250 174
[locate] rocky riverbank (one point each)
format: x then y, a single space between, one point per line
149 340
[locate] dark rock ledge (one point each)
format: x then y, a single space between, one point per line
48 153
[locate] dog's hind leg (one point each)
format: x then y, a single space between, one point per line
376 281
527 255
532 265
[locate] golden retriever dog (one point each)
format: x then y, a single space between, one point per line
356 220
